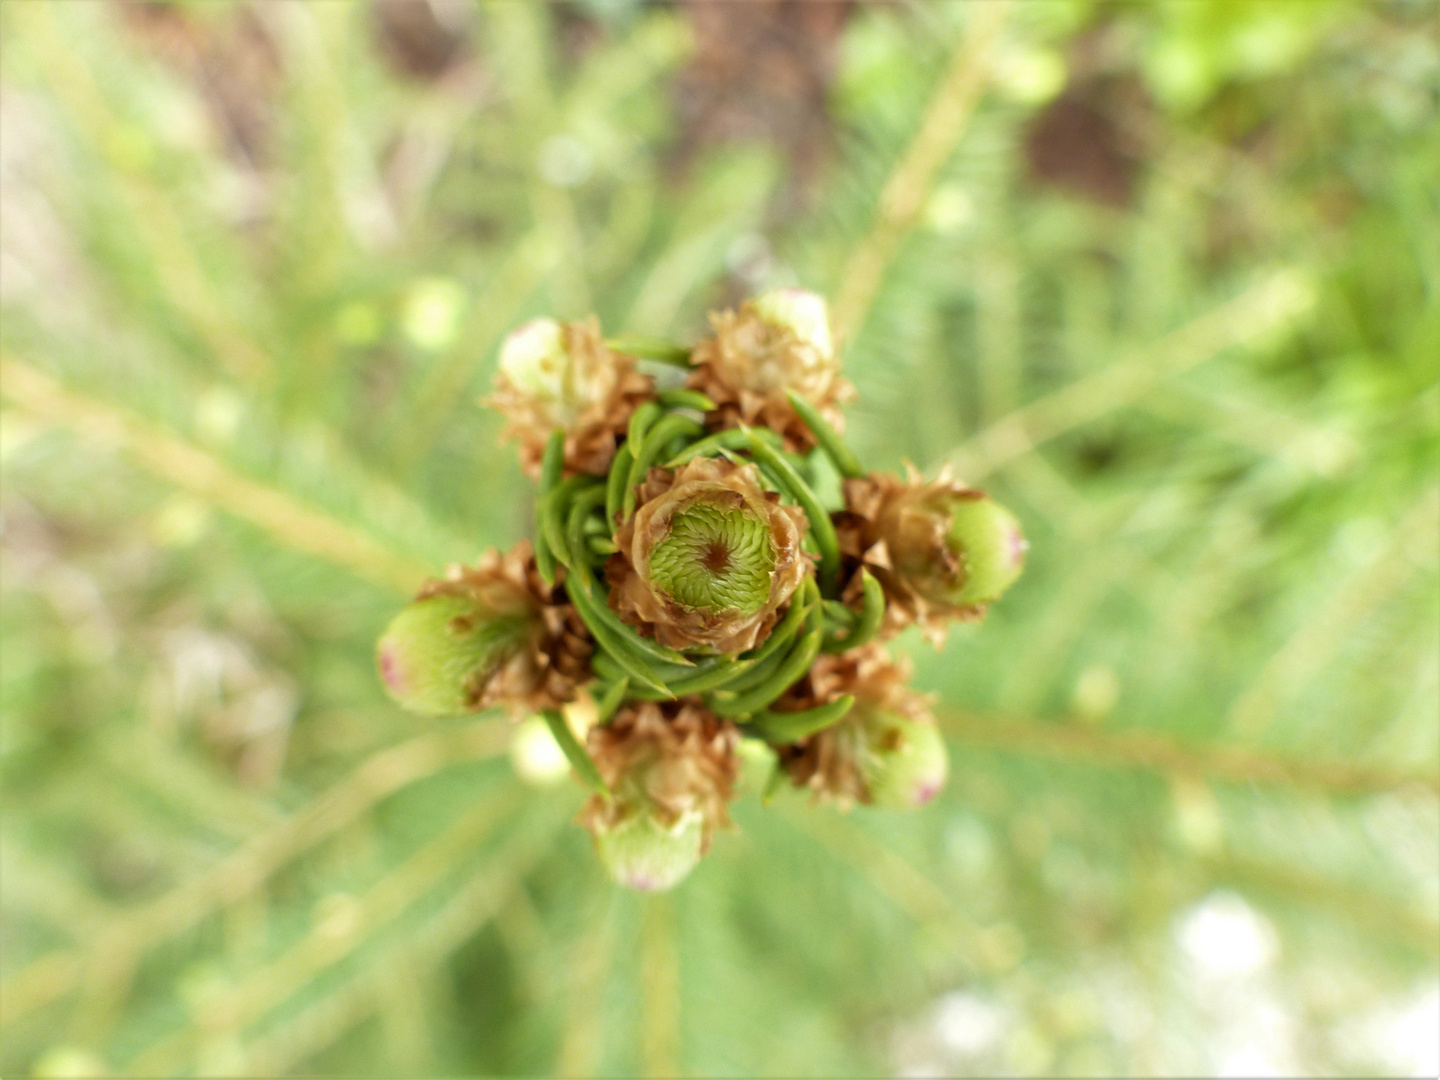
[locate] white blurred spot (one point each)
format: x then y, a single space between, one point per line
432 312
1096 692
1226 938
1029 75
749 258
535 755
949 209
1407 1038
218 413
565 161
968 1025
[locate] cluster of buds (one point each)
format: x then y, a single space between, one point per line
690 587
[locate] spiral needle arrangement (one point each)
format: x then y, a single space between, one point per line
711 563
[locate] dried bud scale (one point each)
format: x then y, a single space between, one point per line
691 587
942 550
672 770
492 634
563 375
776 344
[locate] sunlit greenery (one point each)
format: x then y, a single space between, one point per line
254 272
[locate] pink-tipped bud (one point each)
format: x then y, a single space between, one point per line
991 548
905 765
641 853
438 653
805 314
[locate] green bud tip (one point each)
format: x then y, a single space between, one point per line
715 560
436 654
992 548
803 313
907 764
640 853
534 358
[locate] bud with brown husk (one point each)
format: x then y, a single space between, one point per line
886 751
489 635
942 551
562 375
671 770
708 558
775 344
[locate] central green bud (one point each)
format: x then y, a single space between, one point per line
715 560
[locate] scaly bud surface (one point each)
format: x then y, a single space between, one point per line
439 652
988 540
672 771
488 635
775 344
904 761
942 551
708 557
886 751
640 853
561 375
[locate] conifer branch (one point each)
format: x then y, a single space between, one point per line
1075 742
247 868
285 518
1259 310
327 945
902 200
1347 608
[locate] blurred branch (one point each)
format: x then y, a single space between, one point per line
903 199
498 306
1255 312
186 286
330 942
910 890
1348 607
660 983
1378 915
1073 742
297 526
238 874
1325 451
583 1033
290 1043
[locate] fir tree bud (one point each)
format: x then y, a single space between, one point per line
905 764
536 362
886 751
641 853
941 550
562 375
708 558
987 539
805 314
671 770
492 634
438 653
776 344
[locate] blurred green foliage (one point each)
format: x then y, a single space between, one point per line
1172 293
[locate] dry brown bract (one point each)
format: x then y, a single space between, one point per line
897 529
555 659
602 389
830 762
750 363
635 597
677 759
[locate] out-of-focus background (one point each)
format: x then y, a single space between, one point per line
1165 278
